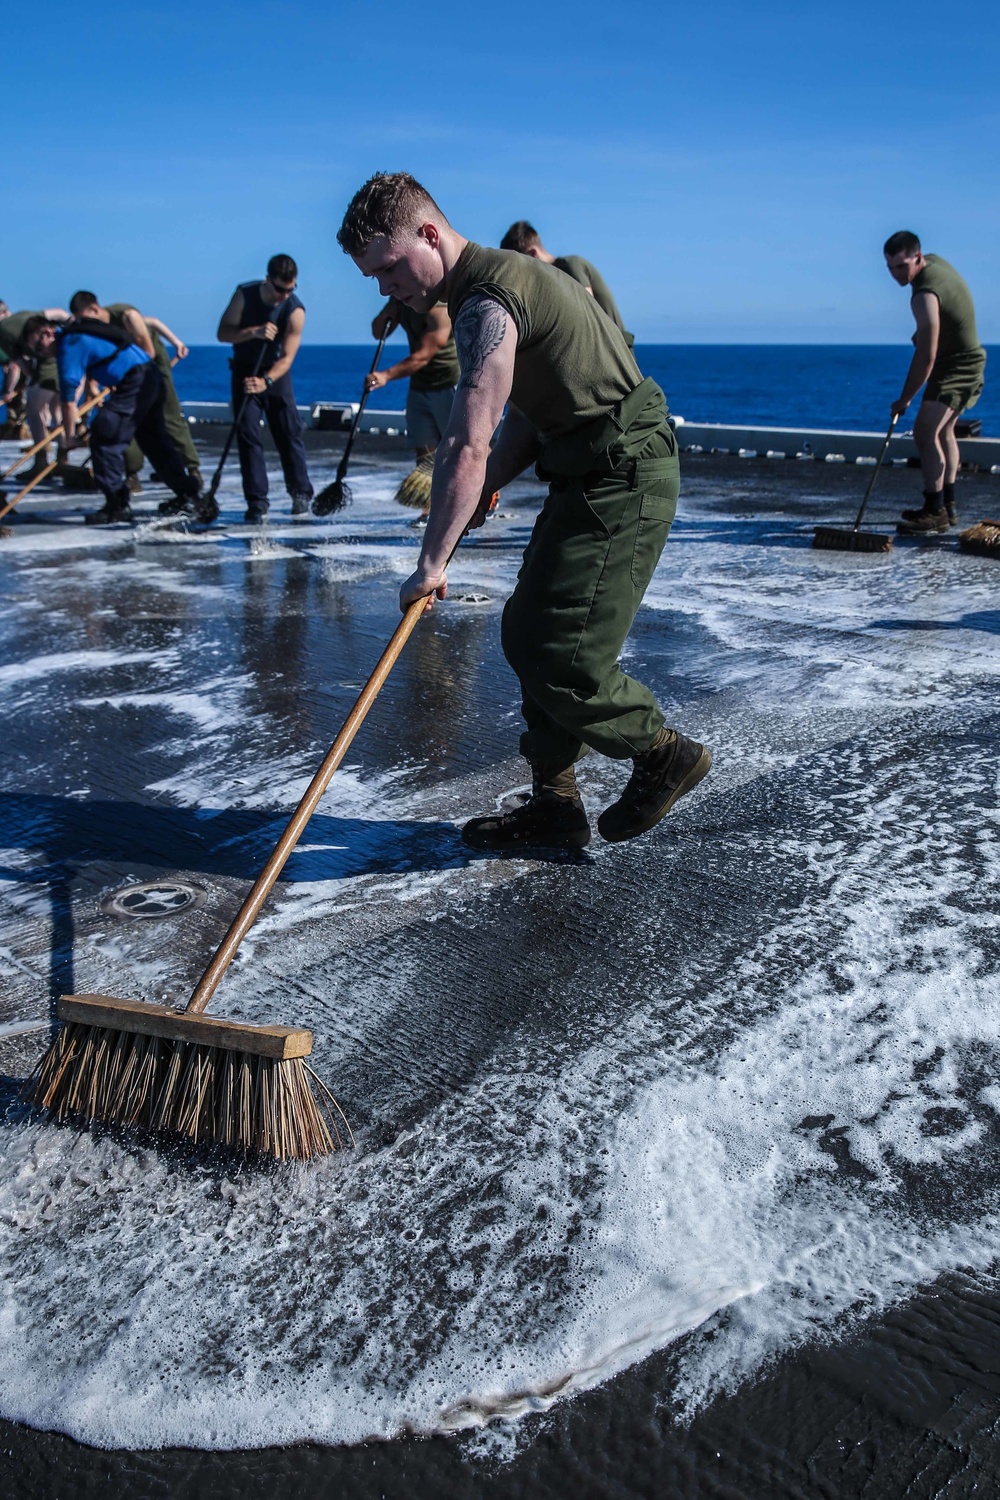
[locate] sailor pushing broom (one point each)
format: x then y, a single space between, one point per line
529 338
950 359
432 368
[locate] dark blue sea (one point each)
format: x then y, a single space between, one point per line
846 386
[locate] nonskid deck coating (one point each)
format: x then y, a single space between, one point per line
737 1078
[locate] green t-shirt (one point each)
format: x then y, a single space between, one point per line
11 329
118 311
587 274
43 372
573 371
440 372
958 334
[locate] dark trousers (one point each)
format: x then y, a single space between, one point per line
277 407
135 410
590 559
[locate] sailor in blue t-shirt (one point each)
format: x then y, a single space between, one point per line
94 349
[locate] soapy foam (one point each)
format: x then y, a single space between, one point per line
40 667
763 1157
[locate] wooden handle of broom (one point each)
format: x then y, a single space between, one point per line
247 913
87 406
30 452
346 455
878 465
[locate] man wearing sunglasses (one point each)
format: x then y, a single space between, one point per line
264 323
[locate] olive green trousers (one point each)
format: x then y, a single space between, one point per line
589 561
173 416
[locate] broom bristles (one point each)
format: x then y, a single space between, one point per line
983 538
415 489
335 496
211 1095
836 539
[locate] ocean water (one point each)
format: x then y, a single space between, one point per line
847 386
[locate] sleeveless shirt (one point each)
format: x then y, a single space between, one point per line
255 312
439 373
958 315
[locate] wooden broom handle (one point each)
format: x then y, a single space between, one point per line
30 452
247 913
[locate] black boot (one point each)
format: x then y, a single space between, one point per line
553 817
949 504
669 768
932 517
113 510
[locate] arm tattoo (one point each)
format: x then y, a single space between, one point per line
479 331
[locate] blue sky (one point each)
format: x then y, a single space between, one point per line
732 169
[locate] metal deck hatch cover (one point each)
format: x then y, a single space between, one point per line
153 899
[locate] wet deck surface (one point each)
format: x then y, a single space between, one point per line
707 1122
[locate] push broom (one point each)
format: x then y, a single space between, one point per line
983 539
415 490
207 508
840 540
246 1086
337 493
87 406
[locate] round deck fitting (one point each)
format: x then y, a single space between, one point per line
153 899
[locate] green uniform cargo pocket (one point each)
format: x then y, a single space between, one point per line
656 514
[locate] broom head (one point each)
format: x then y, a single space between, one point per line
335 496
837 539
415 489
230 1083
983 539
76 477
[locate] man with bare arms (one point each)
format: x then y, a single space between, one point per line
432 370
949 357
264 323
530 338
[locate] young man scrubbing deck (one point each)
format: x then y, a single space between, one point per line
579 409
949 357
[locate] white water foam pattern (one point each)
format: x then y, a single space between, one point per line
519 1245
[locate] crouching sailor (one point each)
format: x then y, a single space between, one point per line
93 349
579 409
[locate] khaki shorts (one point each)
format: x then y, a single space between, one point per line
958 383
427 415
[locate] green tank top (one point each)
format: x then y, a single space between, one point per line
439 373
958 315
587 274
574 376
